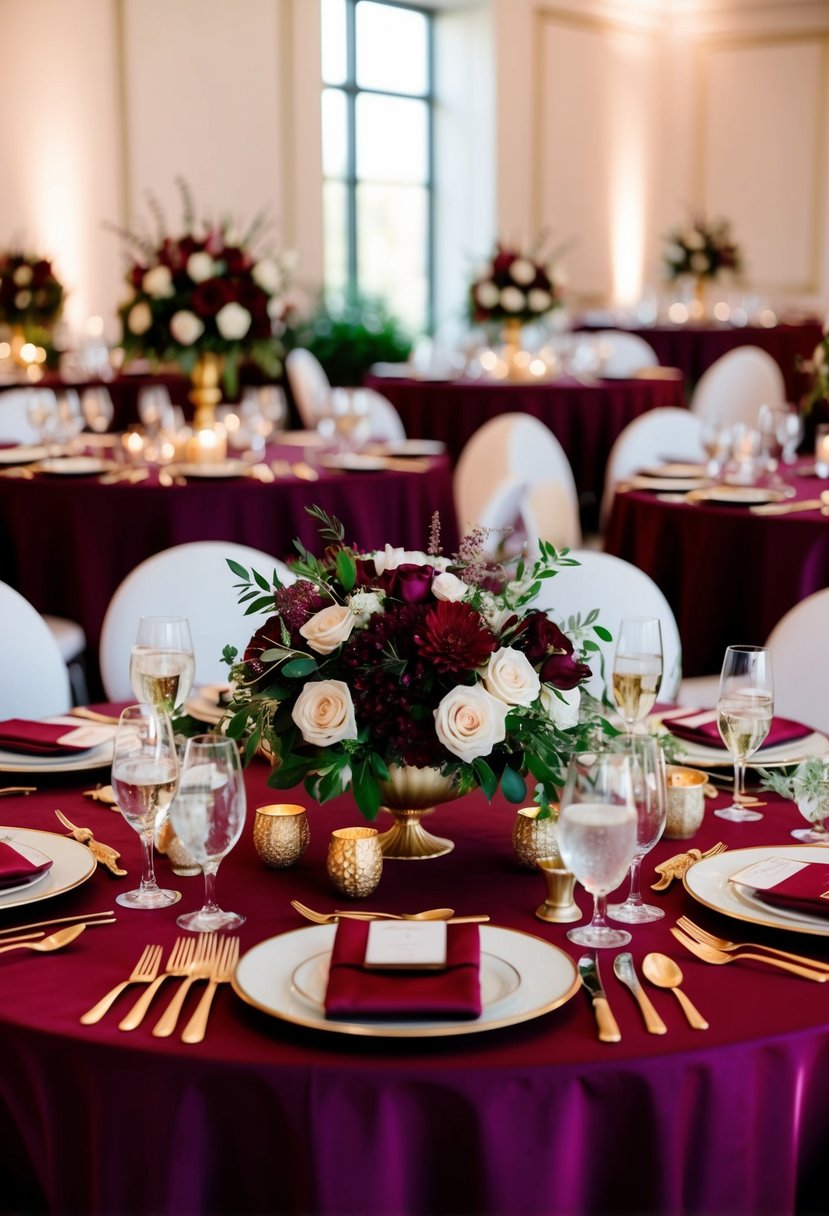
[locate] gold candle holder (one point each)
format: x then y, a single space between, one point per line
685 802
533 837
559 907
281 834
355 861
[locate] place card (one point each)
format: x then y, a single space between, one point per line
406 945
763 875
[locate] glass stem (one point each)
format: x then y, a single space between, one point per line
148 882
739 779
599 920
210 868
635 895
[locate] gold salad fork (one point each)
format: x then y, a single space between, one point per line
709 955
144 972
199 968
181 956
223 967
722 943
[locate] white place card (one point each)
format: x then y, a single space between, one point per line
87 736
394 944
763 875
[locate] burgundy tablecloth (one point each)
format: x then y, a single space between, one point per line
538 1118
729 575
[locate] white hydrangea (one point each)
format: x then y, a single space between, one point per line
267 275
694 239
22 277
365 604
22 299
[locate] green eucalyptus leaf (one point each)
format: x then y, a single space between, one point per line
295 669
513 785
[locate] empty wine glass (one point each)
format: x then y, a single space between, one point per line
597 836
637 668
97 408
41 411
208 816
647 768
716 440
745 706
144 780
162 664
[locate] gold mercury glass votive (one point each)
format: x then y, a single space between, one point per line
685 801
355 861
533 837
559 907
281 834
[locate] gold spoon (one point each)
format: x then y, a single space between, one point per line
664 973
330 918
55 941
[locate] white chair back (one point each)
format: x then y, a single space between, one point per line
733 389
618 589
652 438
34 682
622 355
384 421
310 387
191 580
799 645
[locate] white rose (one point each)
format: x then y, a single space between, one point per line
186 327
267 275
563 713
139 318
487 294
158 282
539 300
675 253
699 263
233 322
469 721
513 300
200 266
275 307
448 586
522 272
390 558
694 240
328 628
22 277
365 604
510 676
324 713
22 299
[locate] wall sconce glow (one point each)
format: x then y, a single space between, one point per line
628 166
678 313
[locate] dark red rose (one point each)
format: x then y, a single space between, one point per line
540 637
564 671
368 577
41 273
188 245
454 637
266 636
211 295
137 275
502 261
250 295
413 584
236 260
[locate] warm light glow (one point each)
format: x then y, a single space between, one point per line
134 443
767 318
5 350
95 327
208 445
628 172
538 368
489 360
28 352
678 313
722 310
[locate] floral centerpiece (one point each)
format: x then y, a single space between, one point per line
31 297
701 249
371 665
204 291
818 369
514 286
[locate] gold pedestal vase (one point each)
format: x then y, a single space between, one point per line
408 795
206 392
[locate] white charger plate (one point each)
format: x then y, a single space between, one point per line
675 468
547 979
738 496
644 481
220 470
21 454
708 883
75 466
72 864
409 448
35 857
353 462
779 756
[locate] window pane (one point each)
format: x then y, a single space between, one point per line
334 134
391 243
392 139
392 48
332 33
335 236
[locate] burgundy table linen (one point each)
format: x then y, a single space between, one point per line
541 1117
728 574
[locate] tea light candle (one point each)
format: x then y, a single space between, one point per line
686 801
208 445
822 450
134 445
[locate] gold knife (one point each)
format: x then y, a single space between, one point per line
608 1027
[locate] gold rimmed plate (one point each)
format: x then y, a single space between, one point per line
647 481
22 453
738 496
709 882
74 466
72 864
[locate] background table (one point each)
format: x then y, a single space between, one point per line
264 1116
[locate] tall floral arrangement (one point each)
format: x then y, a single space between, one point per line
818 369
410 658
701 249
514 285
206 289
31 295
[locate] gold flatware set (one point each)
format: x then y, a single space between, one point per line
331 918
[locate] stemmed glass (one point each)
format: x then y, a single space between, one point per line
637 668
208 816
144 780
162 664
97 408
745 706
647 767
597 836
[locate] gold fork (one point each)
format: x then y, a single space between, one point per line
709 955
144 972
180 958
223 967
198 969
722 943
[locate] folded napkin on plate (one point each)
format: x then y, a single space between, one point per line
700 726
807 890
15 868
50 738
355 991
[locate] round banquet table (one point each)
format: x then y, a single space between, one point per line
728 574
585 415
540 1117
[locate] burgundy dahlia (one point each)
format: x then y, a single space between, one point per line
454 638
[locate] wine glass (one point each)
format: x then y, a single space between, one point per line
637 668
144 780
97 408
745 706
647 767
162 664
41 411
208 816
597 836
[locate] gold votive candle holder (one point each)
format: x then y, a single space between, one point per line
281 834
559 907
355 861
533 837
685 801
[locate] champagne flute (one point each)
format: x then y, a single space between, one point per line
647 766
637 668
597 836
208 815
144 780
745 706
162 664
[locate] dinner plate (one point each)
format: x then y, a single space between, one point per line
220 470
21 454
409 447
547 979
353 462
95 757
675 468
72 864
738 496
299 439
779 756
708 883
643 481
36 857
74 466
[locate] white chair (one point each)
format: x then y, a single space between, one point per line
799 645
310 387
652 438
384 421
15 424
618 589
511 451
191 580
733 389
622 355
35 681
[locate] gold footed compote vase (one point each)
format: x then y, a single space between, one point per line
206 391
408 795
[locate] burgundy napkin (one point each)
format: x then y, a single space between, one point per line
38 738
803 891
15 868
783 730
356 991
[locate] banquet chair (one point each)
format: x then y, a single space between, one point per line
385 423
35 681
15 424
191 580
309 385
618 589
733 388
664 434
622 355
799 646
